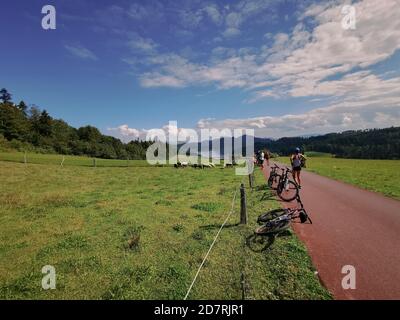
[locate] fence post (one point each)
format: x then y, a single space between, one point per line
25 160
251 180
243 211
94 162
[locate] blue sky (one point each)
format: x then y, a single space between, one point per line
281 67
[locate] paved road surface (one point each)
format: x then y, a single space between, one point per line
354 227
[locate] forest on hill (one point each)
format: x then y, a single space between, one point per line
32 129
358 144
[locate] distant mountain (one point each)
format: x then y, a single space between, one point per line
359 144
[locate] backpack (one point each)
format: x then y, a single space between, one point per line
296 161
303 162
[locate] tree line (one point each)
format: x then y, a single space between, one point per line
29 128
357 144
32 129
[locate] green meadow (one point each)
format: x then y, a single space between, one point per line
376 175
56 159
139 232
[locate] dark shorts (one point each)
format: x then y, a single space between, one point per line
296 168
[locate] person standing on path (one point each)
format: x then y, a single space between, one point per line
267 156
297 160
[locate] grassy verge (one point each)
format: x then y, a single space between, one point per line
376 175
283 271
138 233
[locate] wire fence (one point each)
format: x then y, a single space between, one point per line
69 160
239 192
60 160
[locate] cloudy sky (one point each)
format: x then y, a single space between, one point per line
281 67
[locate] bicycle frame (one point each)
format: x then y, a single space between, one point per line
290 213
284 180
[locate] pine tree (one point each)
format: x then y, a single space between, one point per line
5 96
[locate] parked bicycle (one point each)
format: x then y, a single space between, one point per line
287 189
294 213
276 222
274 177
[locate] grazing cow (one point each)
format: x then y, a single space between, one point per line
181 165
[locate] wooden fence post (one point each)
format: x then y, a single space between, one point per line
251 180
94 162
243 211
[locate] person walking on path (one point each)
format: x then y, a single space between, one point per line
298 161
267 156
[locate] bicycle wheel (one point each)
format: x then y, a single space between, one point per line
273 181
274 226
258 243
288 193
270 181
270 215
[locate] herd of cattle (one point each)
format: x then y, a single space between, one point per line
202 166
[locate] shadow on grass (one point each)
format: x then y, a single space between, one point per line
267 196
263 187
258 243
217 226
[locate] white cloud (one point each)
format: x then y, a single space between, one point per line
126 133
298 64
154 80
142 44
302 59
318 121
231 32
81 52
245 10
192 18
213 13
146 10
325 61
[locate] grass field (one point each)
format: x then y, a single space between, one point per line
377 175
139 233
56 159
